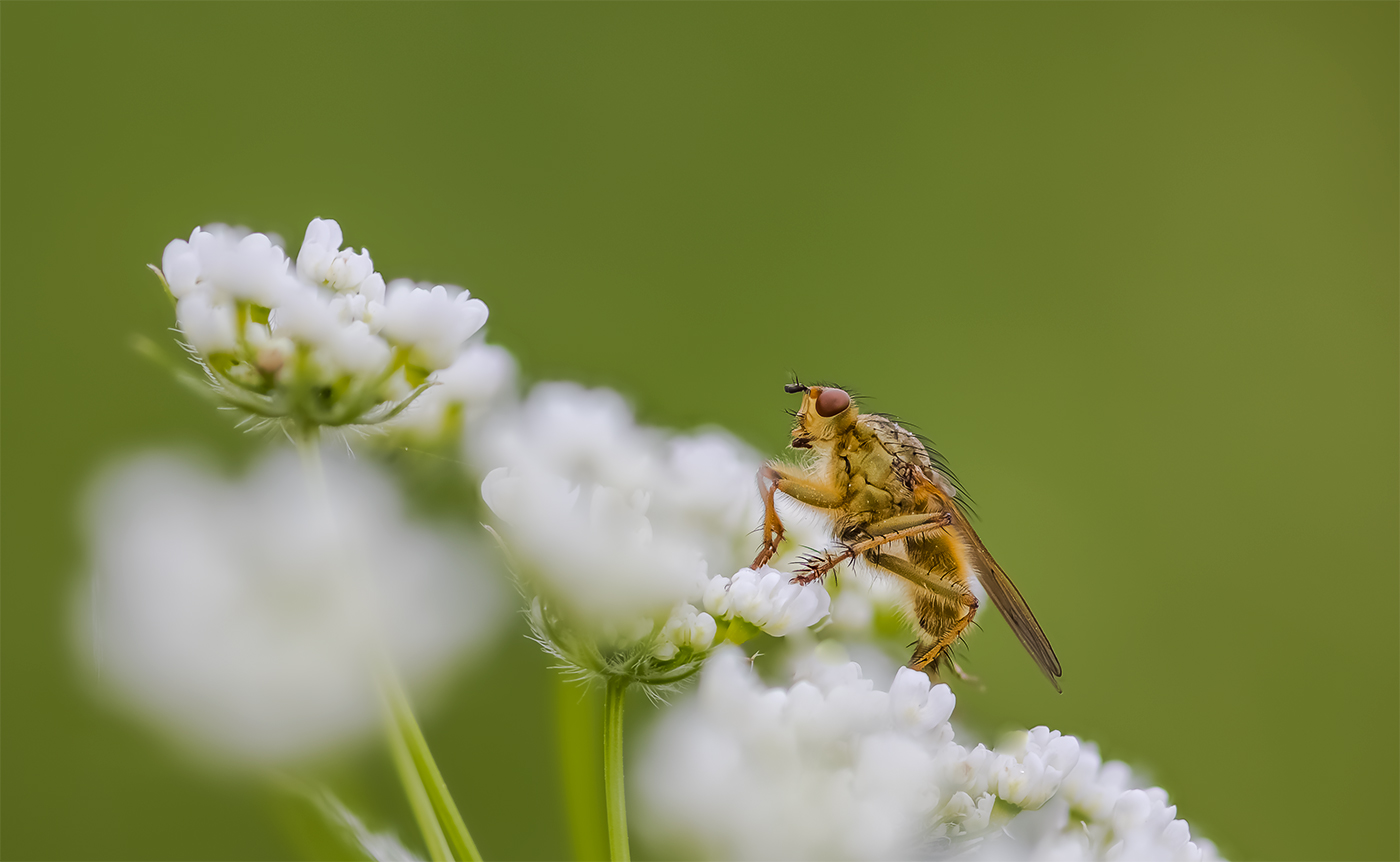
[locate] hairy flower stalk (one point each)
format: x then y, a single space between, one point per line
616 701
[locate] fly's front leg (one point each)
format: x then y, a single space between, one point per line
883 532
778 477
772 526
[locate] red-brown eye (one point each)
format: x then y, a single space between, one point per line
832 401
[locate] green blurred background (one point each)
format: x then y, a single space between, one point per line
1133 267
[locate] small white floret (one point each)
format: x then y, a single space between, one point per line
208 326
433 324
768 599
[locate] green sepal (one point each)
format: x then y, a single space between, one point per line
736 630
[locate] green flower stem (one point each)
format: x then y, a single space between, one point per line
417 796
577 720
433 808
449 819
612 769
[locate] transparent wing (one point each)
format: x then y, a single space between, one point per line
1006 597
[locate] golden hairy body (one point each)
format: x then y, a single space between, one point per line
891 508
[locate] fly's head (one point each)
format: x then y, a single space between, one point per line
826 413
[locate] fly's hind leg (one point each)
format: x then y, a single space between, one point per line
882 533
926 580
932 611
928 655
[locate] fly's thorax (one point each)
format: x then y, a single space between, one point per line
878 469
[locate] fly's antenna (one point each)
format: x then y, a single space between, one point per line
796 385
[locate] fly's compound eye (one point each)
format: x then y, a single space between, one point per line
832 402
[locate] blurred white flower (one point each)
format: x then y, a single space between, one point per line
710 486
623 530
432 323
618 520
571 476
832 768
243 617
592 549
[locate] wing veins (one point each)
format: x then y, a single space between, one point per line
1010 603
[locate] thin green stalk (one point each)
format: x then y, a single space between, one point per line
417 796
448 816
612 769
433 808
577 722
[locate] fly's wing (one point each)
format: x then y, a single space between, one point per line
1006 597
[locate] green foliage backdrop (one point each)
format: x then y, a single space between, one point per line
1133 267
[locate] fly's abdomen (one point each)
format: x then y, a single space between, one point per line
939 619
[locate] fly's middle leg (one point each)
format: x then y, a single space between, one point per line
884 532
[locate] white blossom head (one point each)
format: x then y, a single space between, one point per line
244 617
318 344
570 477
833 768
626 531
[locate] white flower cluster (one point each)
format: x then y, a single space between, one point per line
621 526
833 768
687 628
244 617
323 342
768 599
1100 814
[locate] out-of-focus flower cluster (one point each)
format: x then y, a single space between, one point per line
626 532
321 341
248 617
833 768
